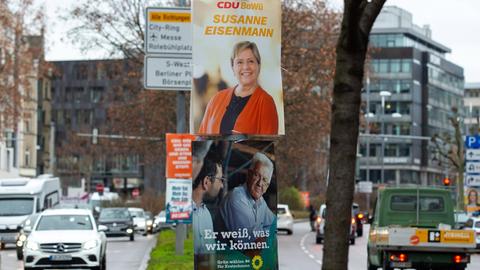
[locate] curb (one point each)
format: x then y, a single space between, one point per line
146 257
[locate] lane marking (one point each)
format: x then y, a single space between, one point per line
306 251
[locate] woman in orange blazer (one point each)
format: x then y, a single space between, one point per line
245 108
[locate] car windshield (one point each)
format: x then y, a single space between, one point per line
281 210
31 220
65 222
114 214
477 224
408 203
16 206
137 213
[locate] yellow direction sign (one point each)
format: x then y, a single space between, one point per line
168 31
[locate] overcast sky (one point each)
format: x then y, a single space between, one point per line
454 23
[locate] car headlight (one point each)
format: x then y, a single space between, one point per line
90 244
149 223
22 238
33 246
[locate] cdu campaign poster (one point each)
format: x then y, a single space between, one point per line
234 194
237 84
472 200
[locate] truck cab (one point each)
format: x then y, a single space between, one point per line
412 227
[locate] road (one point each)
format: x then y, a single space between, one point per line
121 254
299 251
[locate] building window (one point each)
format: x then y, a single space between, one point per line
406 65
87 117
96 94
383 66
390 150
67 117
78 94
27 157
404 150
81 72
60 117
68 94
395 66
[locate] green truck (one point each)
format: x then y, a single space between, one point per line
412 228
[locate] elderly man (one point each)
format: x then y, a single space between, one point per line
244 207
206 186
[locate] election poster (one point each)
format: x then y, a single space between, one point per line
237 82
178 201
234 205
179 155
472 200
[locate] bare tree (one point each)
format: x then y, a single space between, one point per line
358 19
451 150
17 20
309 34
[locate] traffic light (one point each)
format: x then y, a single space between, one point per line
446 181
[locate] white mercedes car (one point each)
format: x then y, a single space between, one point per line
66 238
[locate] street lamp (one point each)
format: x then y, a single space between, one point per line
383 94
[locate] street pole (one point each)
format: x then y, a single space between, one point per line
382 153
383 94
367 131
181 229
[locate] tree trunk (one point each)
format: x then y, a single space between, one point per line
352 46
461 163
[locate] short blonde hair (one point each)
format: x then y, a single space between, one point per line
243 45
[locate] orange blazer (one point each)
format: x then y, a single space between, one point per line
259 116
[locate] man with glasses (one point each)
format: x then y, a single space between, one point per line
245 207
206 186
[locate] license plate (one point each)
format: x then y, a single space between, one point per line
115 229
60 258
401 264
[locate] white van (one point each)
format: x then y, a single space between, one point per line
21 197
97 200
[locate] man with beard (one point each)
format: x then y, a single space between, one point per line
206 186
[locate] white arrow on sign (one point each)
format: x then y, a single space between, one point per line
472 180
472 167
472 154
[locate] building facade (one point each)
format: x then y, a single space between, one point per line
472 107
83 91
26 147
411 92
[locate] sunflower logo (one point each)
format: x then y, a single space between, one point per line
257 262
